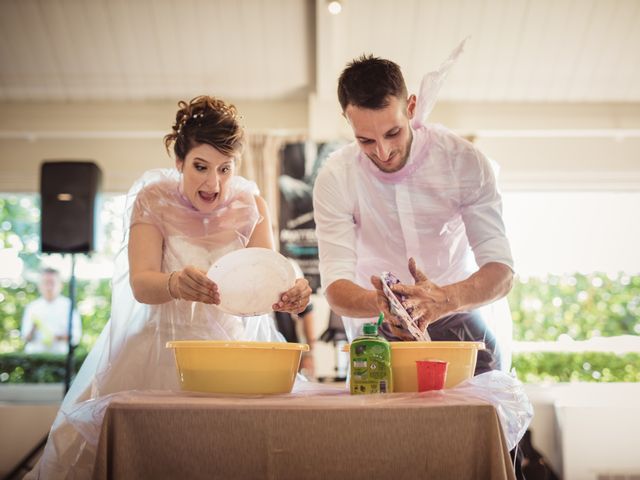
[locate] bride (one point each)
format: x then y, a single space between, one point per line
180 222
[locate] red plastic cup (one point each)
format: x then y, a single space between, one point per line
431 374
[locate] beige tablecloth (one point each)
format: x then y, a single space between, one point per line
317 432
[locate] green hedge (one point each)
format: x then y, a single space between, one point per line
577 367
35 368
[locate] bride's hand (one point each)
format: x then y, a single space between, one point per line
294 300
193 284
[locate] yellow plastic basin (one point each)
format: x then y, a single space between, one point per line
237 367
462 357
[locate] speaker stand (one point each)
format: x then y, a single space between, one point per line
72 297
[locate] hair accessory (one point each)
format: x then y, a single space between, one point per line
181 123
186 118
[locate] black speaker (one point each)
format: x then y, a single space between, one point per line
69 193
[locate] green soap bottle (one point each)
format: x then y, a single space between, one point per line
370 360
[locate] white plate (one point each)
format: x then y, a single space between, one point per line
251 280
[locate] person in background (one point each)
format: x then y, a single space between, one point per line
415 200
180 221
287 326
45 322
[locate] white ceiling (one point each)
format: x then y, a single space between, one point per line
519 50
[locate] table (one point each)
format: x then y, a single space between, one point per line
317 432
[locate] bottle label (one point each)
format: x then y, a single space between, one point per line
370 367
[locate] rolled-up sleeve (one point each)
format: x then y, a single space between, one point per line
333 208
481 210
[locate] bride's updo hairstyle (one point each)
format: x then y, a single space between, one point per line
206 120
